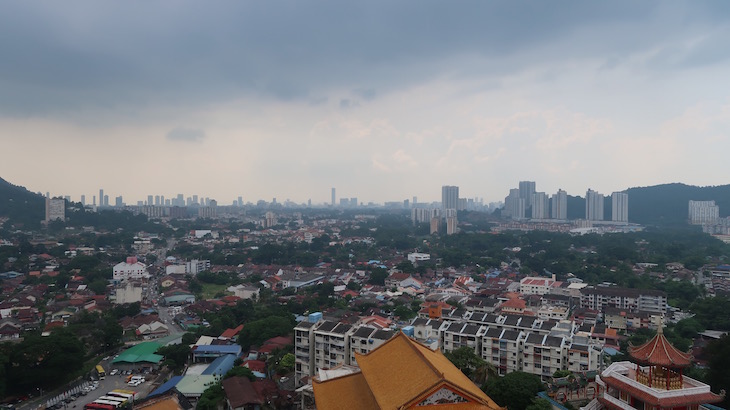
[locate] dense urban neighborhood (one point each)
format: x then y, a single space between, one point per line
268 306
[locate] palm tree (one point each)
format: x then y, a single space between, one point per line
484 372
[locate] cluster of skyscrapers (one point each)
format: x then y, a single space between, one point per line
154 200
525 202
447 212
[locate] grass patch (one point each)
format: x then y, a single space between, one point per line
211 289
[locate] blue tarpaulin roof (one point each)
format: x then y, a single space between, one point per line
221 365
166 386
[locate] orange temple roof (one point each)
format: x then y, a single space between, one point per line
658 351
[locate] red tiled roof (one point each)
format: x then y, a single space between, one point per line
658 351
255 365
514 304
279 341
399 276
231 333
54 325
240 392
268 348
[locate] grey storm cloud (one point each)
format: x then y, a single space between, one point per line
186 135
65 56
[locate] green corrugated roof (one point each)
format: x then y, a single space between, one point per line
195 385
143 352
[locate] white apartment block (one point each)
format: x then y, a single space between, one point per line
540 206
534 285
559 203
55 209
620 207
427 330
524 343
703 212
549 312
583 356
364 339
419 257
512 322
130 269
192 267
634 300
458 335
304 359
503 348
594 206
331 344
543 355
514 205
325 344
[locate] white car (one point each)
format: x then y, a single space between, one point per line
113 372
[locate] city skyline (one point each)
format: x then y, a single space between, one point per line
450 192
385 101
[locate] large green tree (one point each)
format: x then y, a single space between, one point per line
256 332
465 359
176 356
44 361
718 376
516 390
211 397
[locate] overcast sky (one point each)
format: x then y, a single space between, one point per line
382 100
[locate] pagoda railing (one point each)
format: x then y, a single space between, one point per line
621 371
658 380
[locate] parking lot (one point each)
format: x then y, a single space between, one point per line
75 396
118 381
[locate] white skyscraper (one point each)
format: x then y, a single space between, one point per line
703 212
527 188
620 207
594 206
449 197
539 204
55 209
514 205
559 205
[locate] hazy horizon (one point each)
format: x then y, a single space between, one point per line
382 100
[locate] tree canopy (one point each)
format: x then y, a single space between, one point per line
516 390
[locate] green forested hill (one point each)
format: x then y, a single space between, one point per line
668 204
20 205
665 204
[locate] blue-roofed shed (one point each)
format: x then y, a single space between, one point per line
213 351
165 387
221 365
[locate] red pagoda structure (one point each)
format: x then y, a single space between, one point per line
653 380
